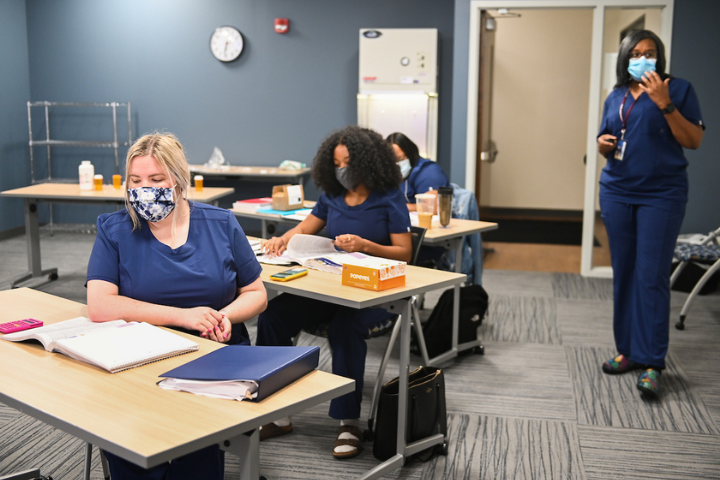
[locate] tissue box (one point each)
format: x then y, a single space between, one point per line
287 197
374 273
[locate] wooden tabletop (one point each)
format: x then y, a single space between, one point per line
328 286
249 171
72 192
126 412
456 228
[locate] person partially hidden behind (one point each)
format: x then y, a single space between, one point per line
420 175
363 210
647 120
167 261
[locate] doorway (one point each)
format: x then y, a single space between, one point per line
553 165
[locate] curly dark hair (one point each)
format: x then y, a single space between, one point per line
406 145
372 161
626 47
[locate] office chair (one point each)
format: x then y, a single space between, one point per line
708 251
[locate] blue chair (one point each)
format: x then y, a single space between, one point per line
707 252
465 207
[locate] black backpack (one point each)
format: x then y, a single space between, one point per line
438 329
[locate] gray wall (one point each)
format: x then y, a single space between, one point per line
695 30
277 101
15 85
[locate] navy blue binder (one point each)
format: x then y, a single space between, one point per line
271 367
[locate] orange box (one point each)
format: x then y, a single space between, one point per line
374 273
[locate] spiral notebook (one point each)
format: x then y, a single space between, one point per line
114 346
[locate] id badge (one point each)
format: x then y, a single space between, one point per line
620 150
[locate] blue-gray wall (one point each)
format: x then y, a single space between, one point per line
282 96
277 101
696 34
15 88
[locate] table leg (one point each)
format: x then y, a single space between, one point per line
403 450
247 448
32 239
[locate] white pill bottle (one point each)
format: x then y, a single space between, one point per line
86 172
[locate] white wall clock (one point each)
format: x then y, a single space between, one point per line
226 43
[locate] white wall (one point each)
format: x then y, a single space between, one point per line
540 109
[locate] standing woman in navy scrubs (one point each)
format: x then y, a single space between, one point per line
362 210
647 121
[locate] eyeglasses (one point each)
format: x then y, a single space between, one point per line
650 54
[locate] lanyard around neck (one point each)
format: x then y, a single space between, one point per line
623 119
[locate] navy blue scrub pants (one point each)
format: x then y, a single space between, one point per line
347 330
208 463
642 241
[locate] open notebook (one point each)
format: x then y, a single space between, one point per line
113 346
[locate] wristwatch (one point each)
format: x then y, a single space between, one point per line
669 109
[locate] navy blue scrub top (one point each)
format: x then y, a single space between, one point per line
425 174
375 219
654 164
207 270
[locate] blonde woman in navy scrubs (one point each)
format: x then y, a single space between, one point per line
647 121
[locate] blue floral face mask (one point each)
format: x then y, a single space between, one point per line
152 203
638 66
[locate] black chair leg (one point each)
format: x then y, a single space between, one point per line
680 325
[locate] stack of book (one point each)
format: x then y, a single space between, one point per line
252 204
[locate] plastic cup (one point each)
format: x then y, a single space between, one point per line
97 181
199 183
425 207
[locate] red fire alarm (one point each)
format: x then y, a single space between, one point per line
282 25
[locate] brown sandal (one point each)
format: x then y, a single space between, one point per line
271 430
356 442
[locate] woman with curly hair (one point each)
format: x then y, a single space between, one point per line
363 210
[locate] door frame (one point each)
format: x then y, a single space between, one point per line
594 101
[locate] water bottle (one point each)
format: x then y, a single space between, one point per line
86 172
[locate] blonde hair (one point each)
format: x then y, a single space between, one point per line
166 149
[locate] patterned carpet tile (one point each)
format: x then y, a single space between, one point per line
27 443
700 362
639 454
521 319
508 448
507 282
614 401
307 453
512 379
567 285
587 322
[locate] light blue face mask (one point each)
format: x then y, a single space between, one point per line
152 203
638 66
405 168
343 176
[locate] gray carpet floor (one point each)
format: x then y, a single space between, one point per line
535 406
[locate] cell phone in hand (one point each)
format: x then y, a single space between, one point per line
290 274
19 325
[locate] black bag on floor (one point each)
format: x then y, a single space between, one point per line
426 414
438 329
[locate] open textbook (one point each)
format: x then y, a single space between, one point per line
113 346
312 251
